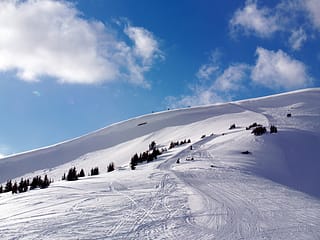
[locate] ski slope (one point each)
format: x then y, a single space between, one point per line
272 193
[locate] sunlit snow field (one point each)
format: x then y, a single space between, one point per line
272 193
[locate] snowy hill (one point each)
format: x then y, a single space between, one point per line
215 192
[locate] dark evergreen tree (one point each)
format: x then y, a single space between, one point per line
72 174
94 171
110 167
81 174
233 126
36 182
273 129
152 145
8 187
1 189
63 177
23 186
14 188
45 183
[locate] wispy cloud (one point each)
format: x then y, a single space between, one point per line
276 70
253 19
51 38
273 70
297 38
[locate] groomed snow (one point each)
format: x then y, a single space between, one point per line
272 193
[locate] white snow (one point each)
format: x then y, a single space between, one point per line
272 193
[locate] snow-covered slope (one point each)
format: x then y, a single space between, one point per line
272 193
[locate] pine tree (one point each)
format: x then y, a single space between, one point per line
81 174
273 129
45 183
1 189
14 188
94 171
72 174
110 167
8 187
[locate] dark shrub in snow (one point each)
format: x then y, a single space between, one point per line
246 152
110 167
233 126
259 131
289 115
253 125
273 129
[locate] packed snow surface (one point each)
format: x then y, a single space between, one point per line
215 192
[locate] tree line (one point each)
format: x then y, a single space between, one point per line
24 185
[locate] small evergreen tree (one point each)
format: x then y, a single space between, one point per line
1 189
233 126
14 188
110 167
45 183
152 145
81 174
94 171
8 187
273 129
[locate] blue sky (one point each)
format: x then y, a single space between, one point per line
71 67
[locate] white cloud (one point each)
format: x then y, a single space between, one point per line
145 43
199 96
206 71
278 70
297 38
252 19
313 8
232 78
50 38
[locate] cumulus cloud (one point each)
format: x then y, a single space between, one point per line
232 78
297 38
278 70
51 38
252 19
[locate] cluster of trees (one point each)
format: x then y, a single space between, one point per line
177 143
260 130
73 175
94 171
110 167
146 156
25 185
